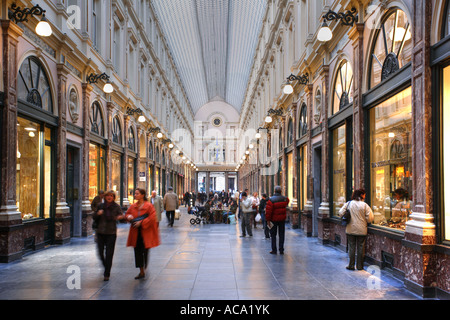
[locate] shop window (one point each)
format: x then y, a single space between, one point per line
302 176
157 155
390 161
131 139
131 179
290 176
393 47
97 170
96 119
339 172
303 121
343 88
33 85
446 149
34 169
290 133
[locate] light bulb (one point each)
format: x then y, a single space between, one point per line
141 119
43 28
325 33
268 119
108 88
288 89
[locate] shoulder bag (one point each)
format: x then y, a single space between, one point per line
345 220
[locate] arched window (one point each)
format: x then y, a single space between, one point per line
290 133
343 87
33 85
157 155
150 150
131 139
96 118
303 121
393 47
116 131
163 162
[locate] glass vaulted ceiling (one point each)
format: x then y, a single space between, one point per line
213 44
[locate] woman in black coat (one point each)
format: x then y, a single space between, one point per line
106 217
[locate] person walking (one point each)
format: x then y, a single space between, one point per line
170 203
97 200
361 214
106 215
143 234
275 217
247 211
157 202
255 206
262 212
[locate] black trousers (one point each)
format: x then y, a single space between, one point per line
106 244
278 227
140 252
170 217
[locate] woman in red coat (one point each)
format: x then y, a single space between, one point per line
144 233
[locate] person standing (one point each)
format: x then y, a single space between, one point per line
361 214
255 206
106 215
276 217
97 200
143 234
247 211
262 212
170 203
157 202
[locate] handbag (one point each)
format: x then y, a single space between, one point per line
140 218
345 220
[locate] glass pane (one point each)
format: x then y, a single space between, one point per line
391 163
290 176
131 174
157 181
116 172
47 180
150 178
446 149
339 169
305 175
28 168
343 87
93 171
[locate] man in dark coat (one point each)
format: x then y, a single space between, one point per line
276 217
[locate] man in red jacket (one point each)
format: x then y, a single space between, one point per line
275 217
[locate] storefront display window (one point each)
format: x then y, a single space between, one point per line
393 47
34 169
290 176
446 149
290 133
343 88
116 161
131 179
339 172
303 175
97 170
303 121
390 161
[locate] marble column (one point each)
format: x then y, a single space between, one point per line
86 225
420 234
294 202
126 124
324 208
282 183
108 125
307 221
11 237
62 211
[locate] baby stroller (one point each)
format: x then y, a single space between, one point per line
201 215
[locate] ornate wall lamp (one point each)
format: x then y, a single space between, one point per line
347 18
17 15
138 111
93 78
156 130
271 113
288 88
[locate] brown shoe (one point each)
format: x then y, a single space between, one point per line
140 276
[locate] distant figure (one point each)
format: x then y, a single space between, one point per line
276 217
157 202
170 203
97 200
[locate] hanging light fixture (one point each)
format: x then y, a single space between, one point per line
93 78
17 15
325 34
347 18
288 88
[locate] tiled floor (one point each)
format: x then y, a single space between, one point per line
200 262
